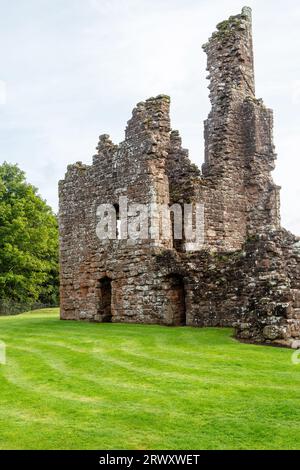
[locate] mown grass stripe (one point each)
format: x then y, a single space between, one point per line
70 385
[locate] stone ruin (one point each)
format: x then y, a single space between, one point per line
247 273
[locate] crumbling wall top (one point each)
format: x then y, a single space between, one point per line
150 116
230 57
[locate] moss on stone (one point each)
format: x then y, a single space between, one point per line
227 27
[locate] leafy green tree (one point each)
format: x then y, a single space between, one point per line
28 241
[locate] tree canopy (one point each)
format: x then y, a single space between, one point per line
28 241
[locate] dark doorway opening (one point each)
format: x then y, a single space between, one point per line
105 300
176 306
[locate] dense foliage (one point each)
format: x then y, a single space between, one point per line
28 241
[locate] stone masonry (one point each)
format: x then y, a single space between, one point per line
247 273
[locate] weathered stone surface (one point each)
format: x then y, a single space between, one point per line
271 332
248 273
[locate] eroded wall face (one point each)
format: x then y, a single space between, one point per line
247 272
136 170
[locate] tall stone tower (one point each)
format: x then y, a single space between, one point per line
239 146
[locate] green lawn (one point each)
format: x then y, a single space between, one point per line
76 385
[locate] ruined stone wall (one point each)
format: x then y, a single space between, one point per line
247 273
135 169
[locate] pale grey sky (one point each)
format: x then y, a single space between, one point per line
74 69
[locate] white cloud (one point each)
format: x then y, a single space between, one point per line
84 66
3 92
296 91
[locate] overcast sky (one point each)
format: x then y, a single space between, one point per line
74 69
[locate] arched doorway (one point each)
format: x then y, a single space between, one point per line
105 300
175 312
